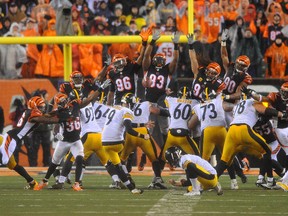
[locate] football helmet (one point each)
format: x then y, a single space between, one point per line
184 92
76 79
119 61
129 99
242 64
61 101
208 94
159 60
284 91
212 71
173 155
37 102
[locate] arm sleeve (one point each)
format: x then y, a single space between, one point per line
128 125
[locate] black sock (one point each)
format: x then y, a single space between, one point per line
50 170
156 168
21 171
78 171
221 166
123 176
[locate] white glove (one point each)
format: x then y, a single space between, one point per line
224 35
105 84
156 35
190 38
146 136
59 136
108 60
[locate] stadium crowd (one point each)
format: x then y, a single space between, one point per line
228 48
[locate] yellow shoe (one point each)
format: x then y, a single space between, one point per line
77 187
41 185
283 186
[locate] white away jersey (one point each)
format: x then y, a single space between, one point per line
167 49
141 112
101 111
180 111
114 128
245 113
88 120
197 160
211 113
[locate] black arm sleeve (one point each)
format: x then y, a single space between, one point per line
135 125
128 125
164 112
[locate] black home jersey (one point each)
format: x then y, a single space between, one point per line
265 128
200 83
24 126
159 78
123 82
233 79
87 87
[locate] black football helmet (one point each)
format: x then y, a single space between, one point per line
284 91
129 99
173 155
184 92
208 94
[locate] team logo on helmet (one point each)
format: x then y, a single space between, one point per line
159 60
119 61
212 71
242 64
184 92
173 155
37 102
208 94
129 99
61 100
76 79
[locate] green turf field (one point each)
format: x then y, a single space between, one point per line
98 199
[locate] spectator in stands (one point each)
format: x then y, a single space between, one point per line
103 10
31 49
39 13
14 14
165 9
274 8
236 33
276 57
249 46
272 30
133 30
81 22
230 14
182 19
262 5
116 20
251 13
134 15
98 26
63 17
6 23
257 27
149 12
84 10
12 56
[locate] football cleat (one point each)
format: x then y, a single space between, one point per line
41 185
58 186
271 185
218 189
117 185
31 185
137 191
260 182
283 186
76 187
234 184
193 193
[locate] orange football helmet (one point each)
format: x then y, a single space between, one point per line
159 60
119 61
76 79
284 91
37 102
61 100
212 71
242 63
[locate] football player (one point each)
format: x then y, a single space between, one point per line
242 138
28 122
141 124
211 116
118 120
196 169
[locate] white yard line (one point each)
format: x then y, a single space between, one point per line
174 203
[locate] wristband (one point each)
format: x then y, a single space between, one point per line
223 43
152 42
144 43
176 46
191 47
